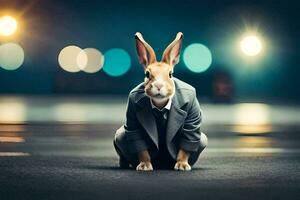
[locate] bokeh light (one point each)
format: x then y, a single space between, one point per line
94 61
70 112
12 111
117 62
197 57
251 45
8 25
252 113
11 56
253 118
69 60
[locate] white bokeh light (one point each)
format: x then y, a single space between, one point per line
68 58
251 45
90 60
11 56
8 25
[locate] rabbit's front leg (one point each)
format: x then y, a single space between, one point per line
145 162
182 161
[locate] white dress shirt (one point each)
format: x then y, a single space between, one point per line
167 106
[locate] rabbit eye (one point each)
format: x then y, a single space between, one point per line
147 74
170 74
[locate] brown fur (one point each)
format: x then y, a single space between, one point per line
159 86
182 156
159 69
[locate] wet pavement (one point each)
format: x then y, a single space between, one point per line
254 158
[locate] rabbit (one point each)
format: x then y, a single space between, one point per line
144 137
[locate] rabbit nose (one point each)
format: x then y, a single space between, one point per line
158 85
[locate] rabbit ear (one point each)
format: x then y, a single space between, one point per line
172 53
145 52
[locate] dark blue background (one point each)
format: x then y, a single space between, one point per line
51 25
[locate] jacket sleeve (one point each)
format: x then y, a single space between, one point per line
134 130
190 140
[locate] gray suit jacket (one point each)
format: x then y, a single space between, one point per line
183 127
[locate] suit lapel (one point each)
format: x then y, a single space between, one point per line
175 119
147 120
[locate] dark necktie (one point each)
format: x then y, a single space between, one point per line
161 117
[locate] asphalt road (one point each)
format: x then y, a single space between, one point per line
69 161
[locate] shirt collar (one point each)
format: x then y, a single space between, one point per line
167 106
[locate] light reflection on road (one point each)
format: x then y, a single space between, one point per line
13 154
14 139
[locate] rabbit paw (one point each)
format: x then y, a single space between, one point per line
182 166
144 166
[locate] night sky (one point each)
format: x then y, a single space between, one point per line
48 26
